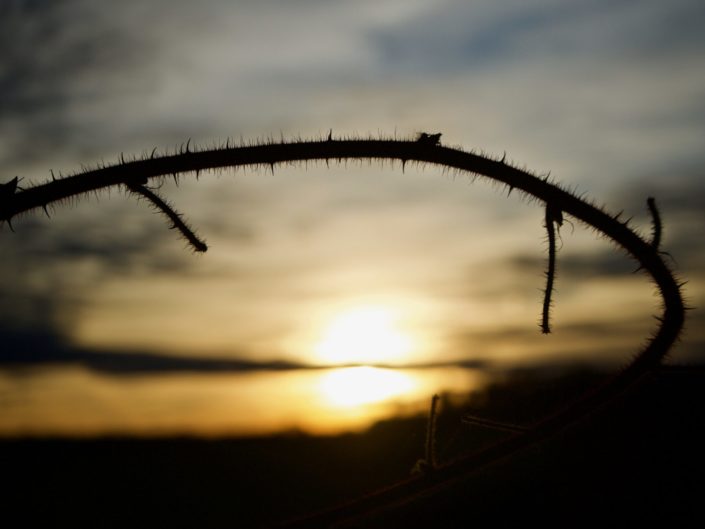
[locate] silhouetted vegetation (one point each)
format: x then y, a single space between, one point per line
310 473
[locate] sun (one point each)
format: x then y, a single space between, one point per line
364 335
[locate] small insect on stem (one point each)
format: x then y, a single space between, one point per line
432 140
9 188
553 216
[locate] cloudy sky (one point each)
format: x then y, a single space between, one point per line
609 96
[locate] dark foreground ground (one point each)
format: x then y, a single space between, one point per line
639 463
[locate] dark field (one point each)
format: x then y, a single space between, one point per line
638 463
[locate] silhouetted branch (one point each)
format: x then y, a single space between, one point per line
655 223
426 148
492 425
177 222
553 216
428 464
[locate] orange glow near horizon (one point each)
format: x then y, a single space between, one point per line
73 401
355 386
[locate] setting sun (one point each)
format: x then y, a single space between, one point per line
364 335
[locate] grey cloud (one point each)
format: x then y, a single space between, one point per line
30 350
81 79
680 197
611 342
575 266
59 57
37 242
679 190
50 266
95 77
22 349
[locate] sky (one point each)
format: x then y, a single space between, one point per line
609 96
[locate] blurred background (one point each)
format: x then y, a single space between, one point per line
416 282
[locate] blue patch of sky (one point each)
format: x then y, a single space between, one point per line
453 39
432 46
